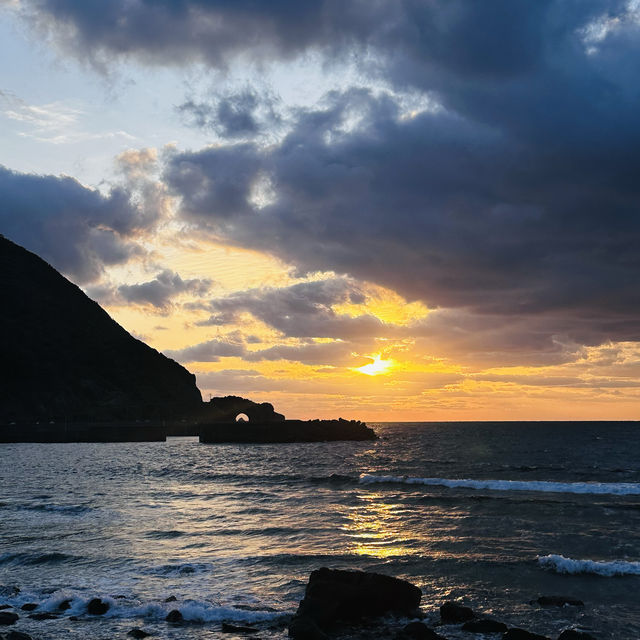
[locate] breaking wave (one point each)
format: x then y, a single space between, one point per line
560 564
597 488
120 607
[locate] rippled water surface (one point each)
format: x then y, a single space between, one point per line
493 514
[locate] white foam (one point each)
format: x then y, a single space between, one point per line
598 488
192 611
560 564
131 608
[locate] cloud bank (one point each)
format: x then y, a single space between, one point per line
77 229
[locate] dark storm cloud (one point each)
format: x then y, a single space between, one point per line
78 230
302 310
517 198
244 114
452 210
210 351
312 353
410 39
217 179
160 291
179 31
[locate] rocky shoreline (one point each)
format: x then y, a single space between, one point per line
337 605
343 604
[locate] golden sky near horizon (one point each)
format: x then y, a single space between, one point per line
409 377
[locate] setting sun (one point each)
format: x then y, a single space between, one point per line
376 367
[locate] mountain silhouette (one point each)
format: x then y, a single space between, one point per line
62 357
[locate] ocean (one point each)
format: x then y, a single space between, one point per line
491 514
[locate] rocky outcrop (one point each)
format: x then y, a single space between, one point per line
286 431
65 359
333 597
228 408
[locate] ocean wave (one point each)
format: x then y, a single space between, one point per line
34 558
174 570
67 602
58 508
596 488
560 564
164 535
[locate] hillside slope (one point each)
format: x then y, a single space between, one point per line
63 357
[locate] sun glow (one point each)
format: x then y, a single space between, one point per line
377 367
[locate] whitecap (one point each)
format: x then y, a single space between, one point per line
597 488
611 568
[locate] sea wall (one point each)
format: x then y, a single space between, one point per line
219 432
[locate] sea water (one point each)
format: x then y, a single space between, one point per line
491 514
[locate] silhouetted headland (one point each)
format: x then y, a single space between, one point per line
70 373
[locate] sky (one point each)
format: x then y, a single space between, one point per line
384 210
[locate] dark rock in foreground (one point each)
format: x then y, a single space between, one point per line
7 617
419 631
334 597
97 607
454 612
574 634
138 633
175 617
484 626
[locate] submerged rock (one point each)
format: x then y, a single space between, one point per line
454 612
97 607
64 605
43 616
559 601
486 625
522 634
7 617
138 633
336 596
574 634
29 606
171 599
419 631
